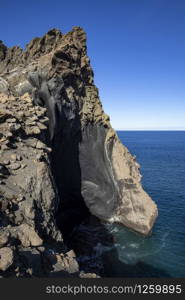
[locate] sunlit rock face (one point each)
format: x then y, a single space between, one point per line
92 171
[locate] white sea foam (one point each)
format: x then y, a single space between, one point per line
114 230
134 245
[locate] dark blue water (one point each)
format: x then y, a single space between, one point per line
161 155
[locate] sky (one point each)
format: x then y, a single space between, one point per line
136 48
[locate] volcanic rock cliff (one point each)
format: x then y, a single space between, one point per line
60 161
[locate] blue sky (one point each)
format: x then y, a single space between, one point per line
136 47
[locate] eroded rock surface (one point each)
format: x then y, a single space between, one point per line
60 158
6 258
28 195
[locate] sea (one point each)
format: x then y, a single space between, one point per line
161 155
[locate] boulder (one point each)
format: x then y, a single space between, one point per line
6 258
28 236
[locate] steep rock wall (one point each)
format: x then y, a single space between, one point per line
30 242
94 173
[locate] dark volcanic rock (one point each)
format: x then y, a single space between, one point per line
28 194
60 158
3 50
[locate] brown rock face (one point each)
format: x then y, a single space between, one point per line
90 163
60 158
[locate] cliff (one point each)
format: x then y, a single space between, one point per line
61 161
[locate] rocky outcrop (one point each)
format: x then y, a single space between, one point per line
61 160
28 195
30 242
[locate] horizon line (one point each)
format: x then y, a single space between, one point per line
137 129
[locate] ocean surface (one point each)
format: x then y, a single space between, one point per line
161 155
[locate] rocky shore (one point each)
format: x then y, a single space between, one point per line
62 165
